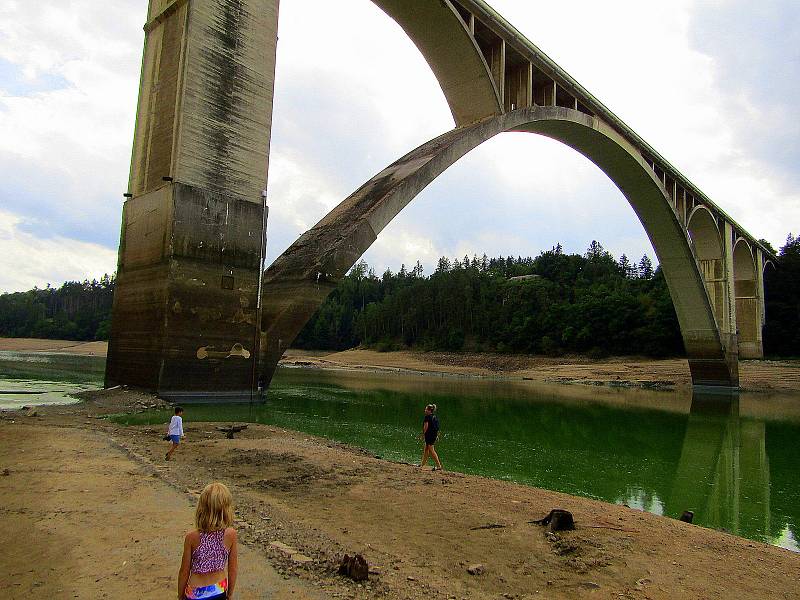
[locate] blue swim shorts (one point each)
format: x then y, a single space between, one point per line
176 439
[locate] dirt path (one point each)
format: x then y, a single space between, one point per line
81 519
76 501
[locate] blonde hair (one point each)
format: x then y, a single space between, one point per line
214 509
431 407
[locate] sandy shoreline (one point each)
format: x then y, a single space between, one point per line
107 512
760 376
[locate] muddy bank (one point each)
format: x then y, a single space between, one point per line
64 346
109 512
756 375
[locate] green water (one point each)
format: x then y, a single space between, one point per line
731 460
655 451
36 378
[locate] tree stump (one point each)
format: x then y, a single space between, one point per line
229 431
557 520
355 567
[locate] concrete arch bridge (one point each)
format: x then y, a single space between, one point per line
196 316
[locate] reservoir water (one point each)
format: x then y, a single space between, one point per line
35 378
731 459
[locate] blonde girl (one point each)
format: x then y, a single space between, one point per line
210 550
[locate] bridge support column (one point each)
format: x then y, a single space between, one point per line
706 366
728 325
748 270
761 317
186 302
185 310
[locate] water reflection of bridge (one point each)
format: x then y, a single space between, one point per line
723 475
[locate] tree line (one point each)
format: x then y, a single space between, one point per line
78 310
555 303
782 295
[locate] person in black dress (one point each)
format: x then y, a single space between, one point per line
430 431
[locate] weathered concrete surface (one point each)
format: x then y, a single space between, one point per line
452 54
205 104
185 305
302 277
185 312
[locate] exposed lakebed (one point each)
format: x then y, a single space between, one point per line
729 459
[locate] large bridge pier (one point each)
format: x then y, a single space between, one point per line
187 298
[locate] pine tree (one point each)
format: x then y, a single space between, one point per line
629 270
443 266
645 268
595 250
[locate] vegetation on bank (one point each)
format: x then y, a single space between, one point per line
782 292
75 311
553 304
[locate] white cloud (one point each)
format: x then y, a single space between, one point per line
27 261
353 95
65 151
402 246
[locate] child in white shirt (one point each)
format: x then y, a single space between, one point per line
175 431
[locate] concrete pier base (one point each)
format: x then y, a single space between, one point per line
185 309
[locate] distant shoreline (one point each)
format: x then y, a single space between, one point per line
65 346
760 376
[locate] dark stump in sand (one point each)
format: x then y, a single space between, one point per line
355 567
229 431
557 520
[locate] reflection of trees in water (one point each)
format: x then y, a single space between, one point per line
782 442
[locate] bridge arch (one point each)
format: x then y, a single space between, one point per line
301 278
707 241
452 53
748 308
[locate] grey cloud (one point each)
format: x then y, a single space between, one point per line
51 207
756 48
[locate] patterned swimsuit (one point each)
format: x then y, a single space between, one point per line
210 556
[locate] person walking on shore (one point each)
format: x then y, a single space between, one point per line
175 431
430 431
210 562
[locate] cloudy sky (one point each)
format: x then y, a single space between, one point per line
711 84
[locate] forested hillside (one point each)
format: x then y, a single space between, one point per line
782 283
75 311
553 304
